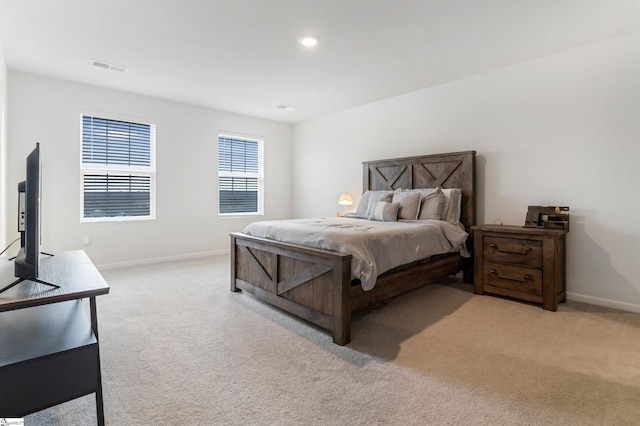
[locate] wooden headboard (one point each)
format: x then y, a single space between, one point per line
451 170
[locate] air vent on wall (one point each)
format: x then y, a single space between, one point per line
108 66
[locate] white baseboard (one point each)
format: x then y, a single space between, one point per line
607 303
150 261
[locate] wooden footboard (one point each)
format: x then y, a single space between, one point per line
315 284
312 284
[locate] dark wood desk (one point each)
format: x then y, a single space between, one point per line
49 351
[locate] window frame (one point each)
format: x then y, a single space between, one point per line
259 176
117 169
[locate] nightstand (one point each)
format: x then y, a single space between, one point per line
522 263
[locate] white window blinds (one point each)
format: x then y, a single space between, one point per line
118 170
240 175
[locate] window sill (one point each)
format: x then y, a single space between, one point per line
239 215
115 220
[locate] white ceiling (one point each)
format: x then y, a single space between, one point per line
243 55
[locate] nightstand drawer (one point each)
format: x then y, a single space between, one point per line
513 250
526 280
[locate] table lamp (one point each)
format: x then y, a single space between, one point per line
344 200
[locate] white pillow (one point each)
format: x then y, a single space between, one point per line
409 204
433 206
361 210
385 212
453 202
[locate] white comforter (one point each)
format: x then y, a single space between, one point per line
376 247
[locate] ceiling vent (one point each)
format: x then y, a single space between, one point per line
108 66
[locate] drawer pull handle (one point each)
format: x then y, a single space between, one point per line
504 277
526 249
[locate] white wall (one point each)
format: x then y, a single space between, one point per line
3 142
562 129
48 111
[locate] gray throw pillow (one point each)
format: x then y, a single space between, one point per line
385 212
433 206
409 204
374 198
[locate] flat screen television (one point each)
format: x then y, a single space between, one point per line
27 261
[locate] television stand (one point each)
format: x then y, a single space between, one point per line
33 279
49 348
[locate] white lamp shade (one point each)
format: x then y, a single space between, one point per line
345 200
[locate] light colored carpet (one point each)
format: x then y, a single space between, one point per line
177 347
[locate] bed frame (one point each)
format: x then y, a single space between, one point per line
316 285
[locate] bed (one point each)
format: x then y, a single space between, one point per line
316 284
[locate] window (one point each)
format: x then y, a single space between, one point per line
118 170
240 175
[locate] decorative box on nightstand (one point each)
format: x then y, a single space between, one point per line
523 263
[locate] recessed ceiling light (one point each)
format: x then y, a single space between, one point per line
308 41
287 107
